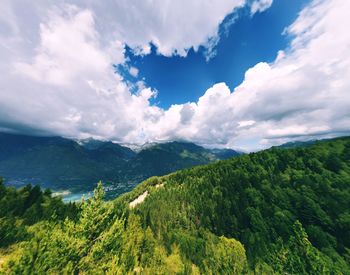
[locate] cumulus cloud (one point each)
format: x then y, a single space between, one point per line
304 92
57 57
68 86
260 5
57 75
68 50
172 26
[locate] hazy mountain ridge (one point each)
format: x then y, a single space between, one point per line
61 163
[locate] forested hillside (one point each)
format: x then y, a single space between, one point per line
279 211
26 206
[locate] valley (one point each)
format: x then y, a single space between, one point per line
74 167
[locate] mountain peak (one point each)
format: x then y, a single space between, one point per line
61 163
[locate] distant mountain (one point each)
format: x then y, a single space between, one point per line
163 158
60 163
296 144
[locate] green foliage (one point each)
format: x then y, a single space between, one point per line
298 256
227 256
26 206
279 211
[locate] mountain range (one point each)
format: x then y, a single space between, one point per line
64 164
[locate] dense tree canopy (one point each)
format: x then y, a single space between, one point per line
279 211
26 206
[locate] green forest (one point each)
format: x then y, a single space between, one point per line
278 211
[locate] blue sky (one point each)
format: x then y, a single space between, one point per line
123 71
247 41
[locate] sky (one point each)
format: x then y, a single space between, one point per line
247 41
243 74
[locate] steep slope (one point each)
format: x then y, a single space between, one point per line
266 200
56 162
280 211
164 158
296 144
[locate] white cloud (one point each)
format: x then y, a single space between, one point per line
245 123
172 26
57 75
134 71
68 87
68 50
260 6
304 93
